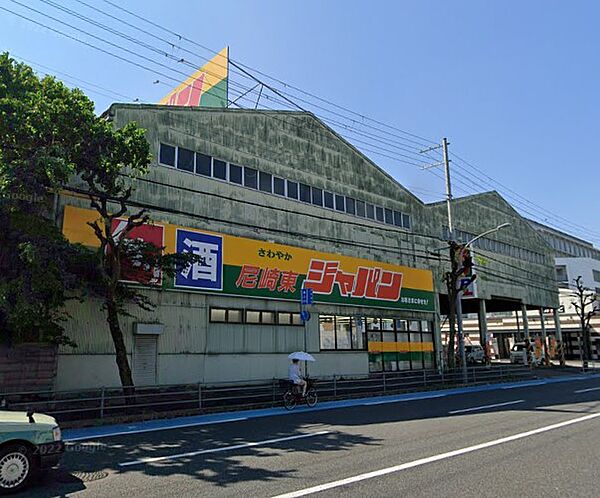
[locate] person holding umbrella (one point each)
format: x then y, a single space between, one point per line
295 377
294 373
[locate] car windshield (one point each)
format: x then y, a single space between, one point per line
518 347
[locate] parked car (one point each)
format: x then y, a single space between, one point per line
517 353
29 442
474 353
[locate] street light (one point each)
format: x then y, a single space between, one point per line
458 304
503 225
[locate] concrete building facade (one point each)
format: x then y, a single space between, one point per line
277 201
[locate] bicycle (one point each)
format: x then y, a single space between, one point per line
293 395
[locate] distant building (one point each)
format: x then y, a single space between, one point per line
573 257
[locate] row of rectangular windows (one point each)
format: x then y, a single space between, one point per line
353 332
254 317
201 164
571 248
497 246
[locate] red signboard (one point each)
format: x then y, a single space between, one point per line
135 271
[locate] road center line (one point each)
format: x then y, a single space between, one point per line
484 407
224 448
435 458
388 401
587 390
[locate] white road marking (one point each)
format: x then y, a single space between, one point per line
224 448
530 384
484 407
434 458
154 429
386 401
587 390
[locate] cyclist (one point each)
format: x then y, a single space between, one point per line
295 377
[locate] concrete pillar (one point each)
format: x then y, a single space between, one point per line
559 338
483 330
544 340
437 336
557 325
525 321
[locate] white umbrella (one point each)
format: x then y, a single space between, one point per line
301 356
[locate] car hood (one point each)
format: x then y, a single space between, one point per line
21 418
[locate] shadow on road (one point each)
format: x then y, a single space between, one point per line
257 463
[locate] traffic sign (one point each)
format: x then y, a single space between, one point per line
306 296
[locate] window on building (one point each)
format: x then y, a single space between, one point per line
398 218
292 190
219 169
265 182
360 209
288 318
389 216
406 221
304 192
278 185
350 205
260 317
235 174
341 333
405 344
561 274
166 155
340 204
596 275
250 177
379 213
370 211
203 164
225 315
317 196
328 200
327 332
185 159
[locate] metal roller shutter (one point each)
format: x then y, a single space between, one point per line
144 360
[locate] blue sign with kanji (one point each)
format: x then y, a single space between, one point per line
207 273
306 296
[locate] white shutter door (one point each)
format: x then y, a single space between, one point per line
144 360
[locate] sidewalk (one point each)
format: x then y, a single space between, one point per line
218 418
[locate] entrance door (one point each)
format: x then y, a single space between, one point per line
144 360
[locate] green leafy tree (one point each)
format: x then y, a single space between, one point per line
42 127
51 138
122 155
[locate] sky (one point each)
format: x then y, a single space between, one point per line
512 84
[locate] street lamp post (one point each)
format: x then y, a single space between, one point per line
458 305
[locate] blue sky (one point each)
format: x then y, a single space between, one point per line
512 84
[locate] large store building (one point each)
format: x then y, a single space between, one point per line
274 202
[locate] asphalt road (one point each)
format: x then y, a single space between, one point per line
539 440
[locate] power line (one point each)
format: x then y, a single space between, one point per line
162 52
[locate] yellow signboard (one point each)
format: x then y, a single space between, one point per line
243 266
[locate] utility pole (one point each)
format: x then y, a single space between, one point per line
448 187
454 293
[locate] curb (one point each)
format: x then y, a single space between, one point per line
226 417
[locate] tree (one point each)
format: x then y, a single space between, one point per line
51 136
116 158
42 124
583 303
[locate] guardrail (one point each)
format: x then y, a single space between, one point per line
165 400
